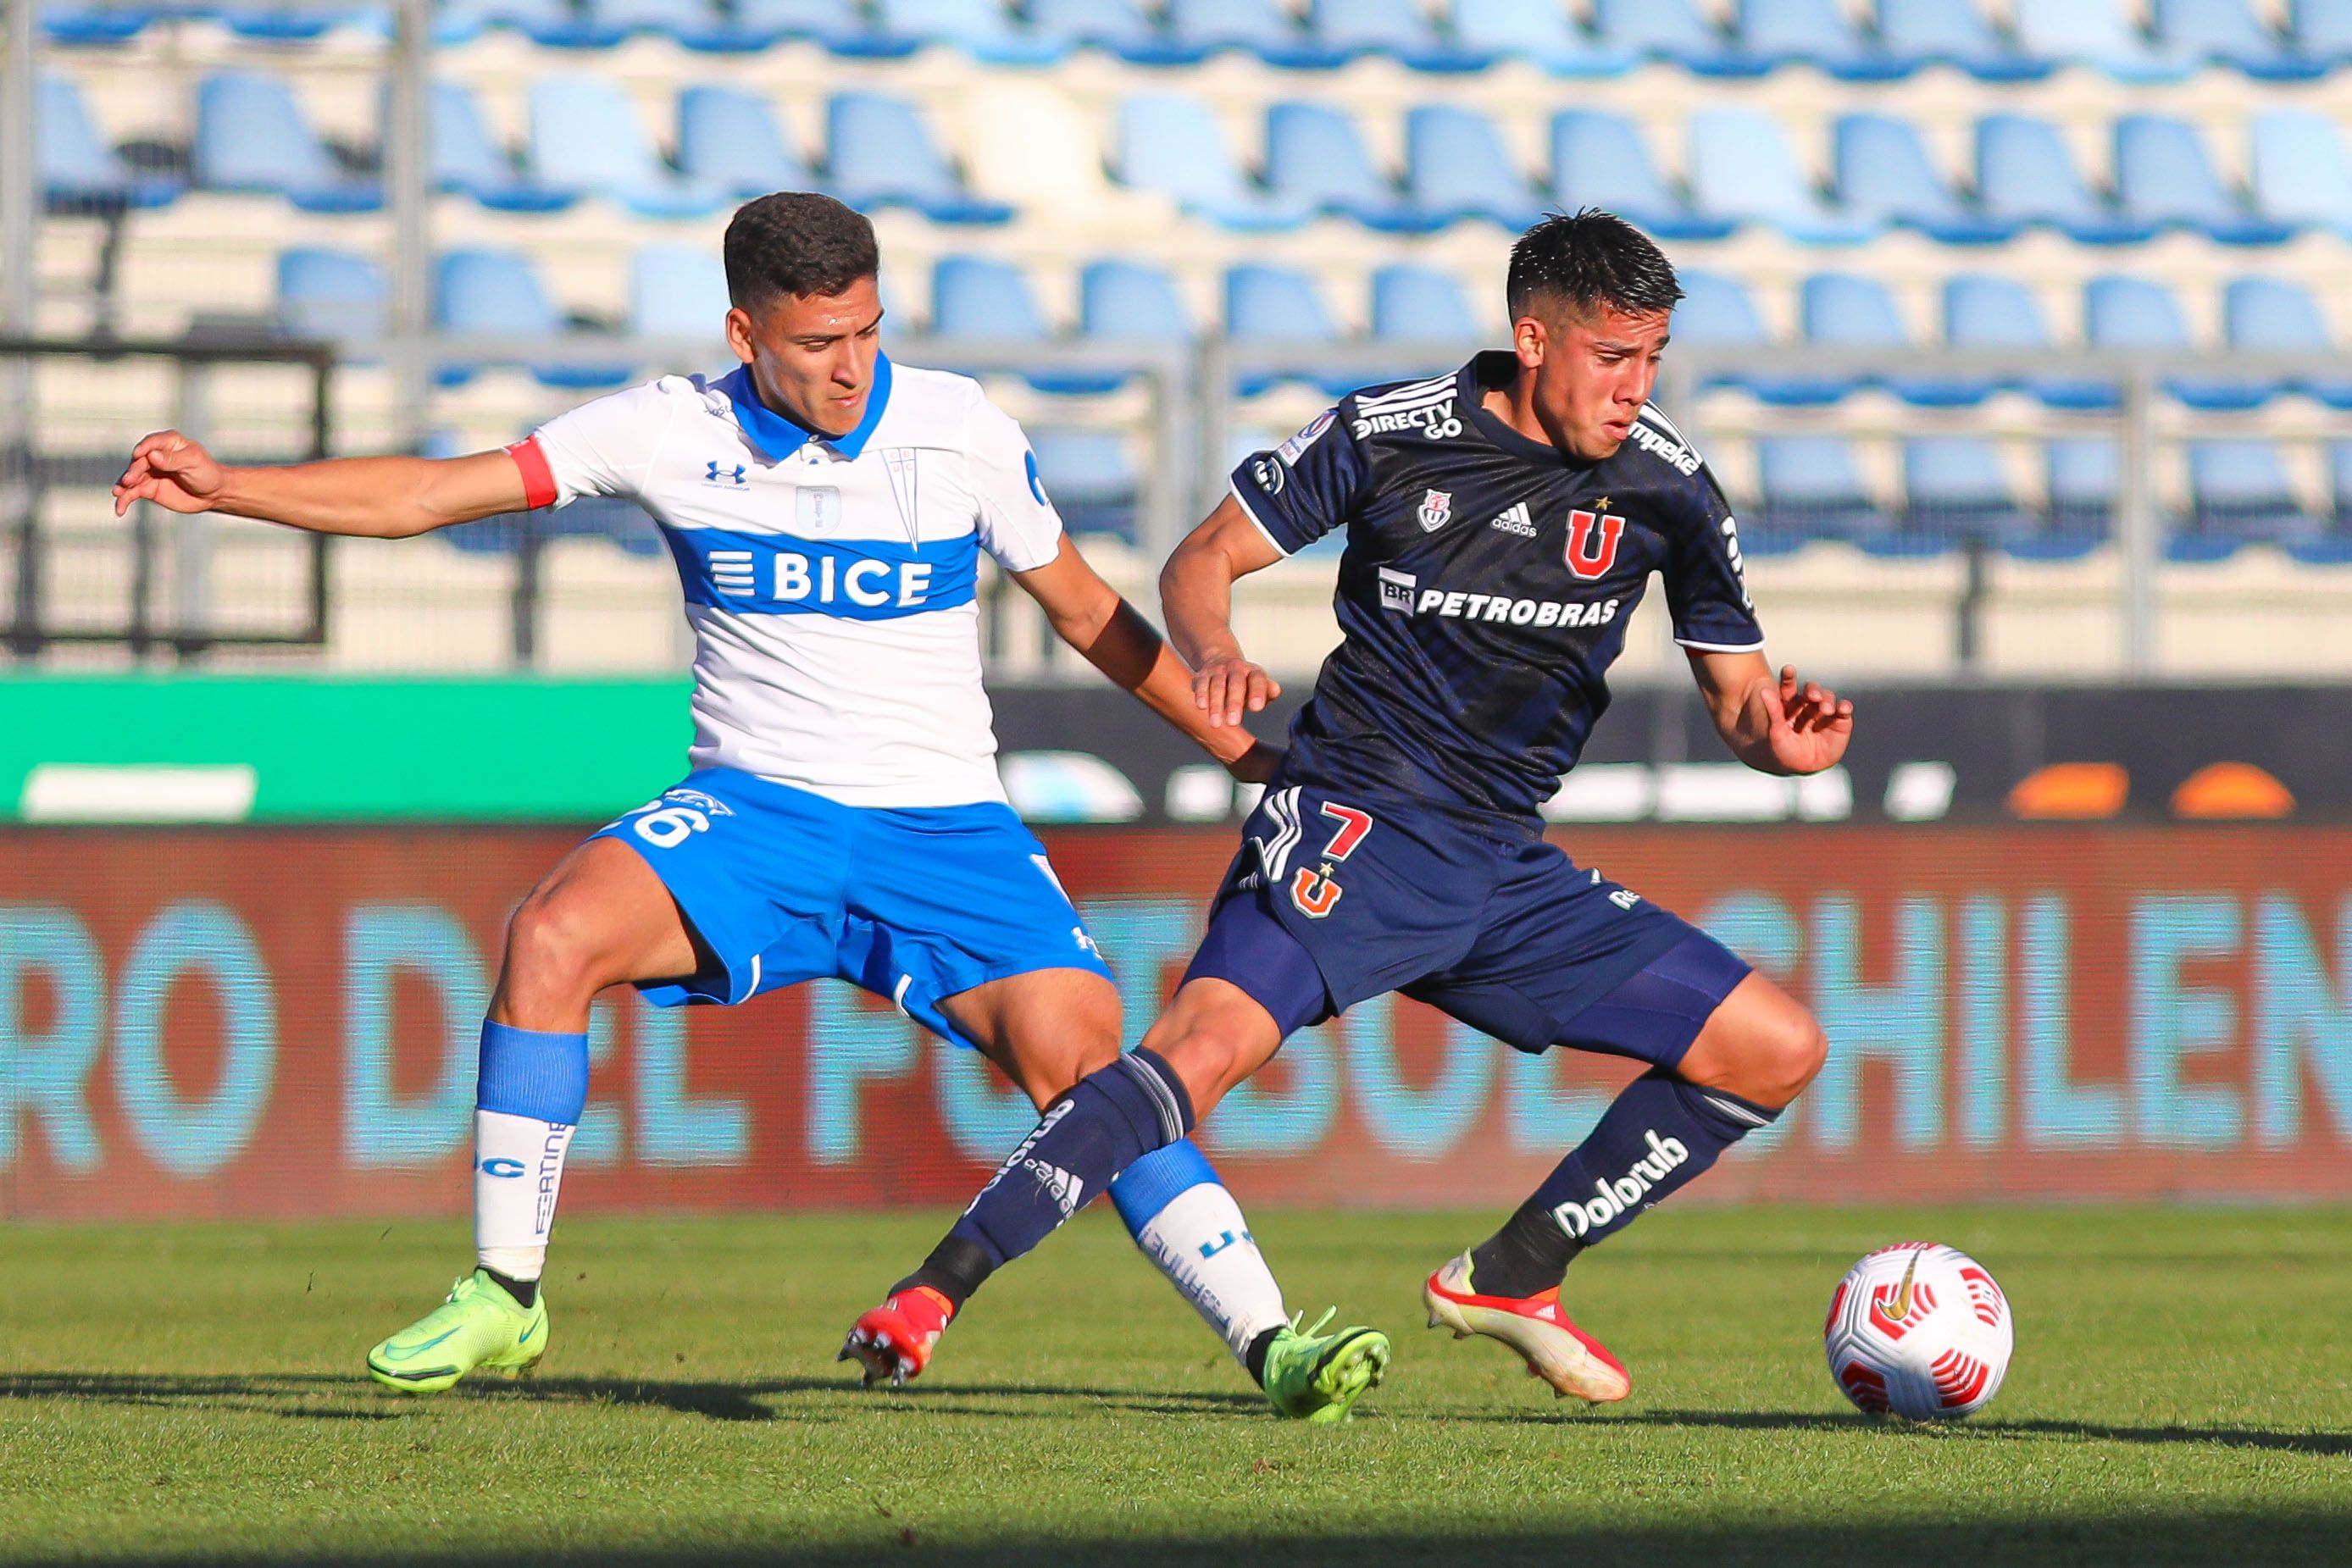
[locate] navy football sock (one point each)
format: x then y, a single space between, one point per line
1654 1138
1110 1119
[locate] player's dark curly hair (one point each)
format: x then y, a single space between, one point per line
1586 260
796 242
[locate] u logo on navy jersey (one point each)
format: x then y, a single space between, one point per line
1592 542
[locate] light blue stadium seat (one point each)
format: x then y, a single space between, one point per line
586 138
1457 167
2025 175
1132 301
2300 171
1261 27
1850 310
469 160
2270 315
251 135
1398 29
1173 144
1280 306
729 140
1537 30
299 23
330 294
2163 176
1127 28
2097 33
1716 311
879 153
679 291
1600 160
1741 167
1956 33
94 25
1817 32
1422 304
1092 477
2238 492
2083 478
1998 313
2323 29
551 22
604 24
1675 30
1316 159
986 300
841 27
1884 176
498 291
1810 487
2228 31
983 29
1954 489
2123 312
77 169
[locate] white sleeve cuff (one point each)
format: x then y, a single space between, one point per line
1721 647
1243 502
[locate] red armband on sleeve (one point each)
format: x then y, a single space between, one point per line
538 478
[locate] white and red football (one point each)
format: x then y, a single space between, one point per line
1918 1330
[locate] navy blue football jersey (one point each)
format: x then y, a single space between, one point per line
1486 588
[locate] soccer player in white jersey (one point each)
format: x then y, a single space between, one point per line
827 510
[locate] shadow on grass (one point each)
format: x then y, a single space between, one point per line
1978 1429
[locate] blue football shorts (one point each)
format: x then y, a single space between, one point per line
912 903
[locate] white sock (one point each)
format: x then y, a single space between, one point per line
518 1170
1203 1245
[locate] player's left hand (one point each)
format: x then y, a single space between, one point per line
1257 765
1804 725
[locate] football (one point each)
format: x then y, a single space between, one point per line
1918 1330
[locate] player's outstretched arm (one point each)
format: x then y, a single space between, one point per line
1090 615
1773 724
1196 593
367 497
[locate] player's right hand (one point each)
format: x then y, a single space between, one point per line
172 470
1225 688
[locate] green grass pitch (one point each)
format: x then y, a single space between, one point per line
2182 1393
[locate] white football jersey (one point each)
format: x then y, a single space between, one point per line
829 581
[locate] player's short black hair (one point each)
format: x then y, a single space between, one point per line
796 242
1589 259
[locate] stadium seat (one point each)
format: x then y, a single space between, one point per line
1400 29
1261 27
251 135
1278 306
2270 315
497 292
677 291
330 294
1125 27
1316 159
2238 491
2097 33
1810 487
469 160
2128 313
1998 313
586 138
2024 175
983 299
77 169
1849 310
1173 144
1884 176
728 140
604 24
1741 167
2228 31
983 29
1954 33
1673 30
2300 172
1131 302
296 24
1955 487
752 27
879 154
1457 167
76 25
1816 33
2164 177
1537 30
1717 312
1091 476
2083 478
1600 160
2323 30
546 22
1421 304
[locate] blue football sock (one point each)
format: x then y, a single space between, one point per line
1110 1119
1655 1137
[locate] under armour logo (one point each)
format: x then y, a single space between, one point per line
715 473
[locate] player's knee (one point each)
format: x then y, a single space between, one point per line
1788 1050
553 949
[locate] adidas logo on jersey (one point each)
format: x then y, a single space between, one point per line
1516 520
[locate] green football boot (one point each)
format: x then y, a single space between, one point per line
1315 1376
479 1326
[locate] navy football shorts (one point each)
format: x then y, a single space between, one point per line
1330 903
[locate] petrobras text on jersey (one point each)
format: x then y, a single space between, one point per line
1433 419
1455 605
1664 448
856 580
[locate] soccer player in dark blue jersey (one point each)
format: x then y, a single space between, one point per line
1502 523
